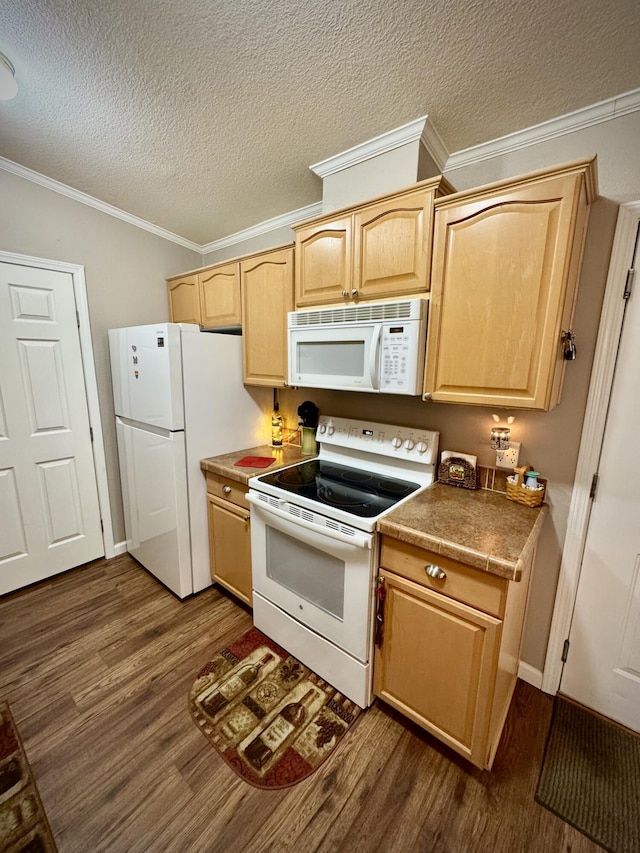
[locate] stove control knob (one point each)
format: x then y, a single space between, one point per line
397 442
409 443
322 429
331 429
421 446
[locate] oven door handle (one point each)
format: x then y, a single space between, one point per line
374 358
358 540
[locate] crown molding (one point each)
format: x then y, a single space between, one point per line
293 217
620 105
431 140
418 130
90 201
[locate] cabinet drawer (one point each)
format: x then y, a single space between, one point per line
228 490
474 587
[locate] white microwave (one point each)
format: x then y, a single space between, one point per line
377 347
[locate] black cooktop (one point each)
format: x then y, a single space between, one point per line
352 490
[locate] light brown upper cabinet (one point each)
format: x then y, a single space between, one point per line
506 262
184 299
210 297
380 249
267 295
220 295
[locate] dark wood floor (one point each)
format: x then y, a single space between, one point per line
97 665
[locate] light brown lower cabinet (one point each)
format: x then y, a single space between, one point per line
229 536
449 647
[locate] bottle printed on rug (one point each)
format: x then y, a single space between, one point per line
279 731
232 686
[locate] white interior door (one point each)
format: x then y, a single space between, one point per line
49 511
603 665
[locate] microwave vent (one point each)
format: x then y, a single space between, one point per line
403 310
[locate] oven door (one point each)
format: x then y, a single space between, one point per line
339 357
321 577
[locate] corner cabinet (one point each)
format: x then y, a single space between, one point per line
448 646
266 282
506 262
229 536
209 297
381 249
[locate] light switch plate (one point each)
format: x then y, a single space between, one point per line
508 458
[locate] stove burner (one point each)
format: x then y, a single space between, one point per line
345 498
297 476
355 476
392 486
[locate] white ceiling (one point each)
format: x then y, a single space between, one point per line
203 116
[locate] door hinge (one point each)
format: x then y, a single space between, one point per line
102 525
91 433
594 487
565 651
78 319
628 285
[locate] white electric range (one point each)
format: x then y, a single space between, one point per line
314 547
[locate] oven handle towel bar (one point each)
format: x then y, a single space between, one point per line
374 359
358 540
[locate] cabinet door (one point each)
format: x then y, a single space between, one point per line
184 299
230 547
505 269
392 246
323 262
267 295
220 296
437 665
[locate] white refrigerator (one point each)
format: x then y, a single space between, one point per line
178 398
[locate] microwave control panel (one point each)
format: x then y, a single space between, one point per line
401 359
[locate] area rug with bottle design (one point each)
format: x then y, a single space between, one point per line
272 719
23 823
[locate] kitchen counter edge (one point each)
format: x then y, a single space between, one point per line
487 543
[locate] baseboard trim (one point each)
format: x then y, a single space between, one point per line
530 674
119 548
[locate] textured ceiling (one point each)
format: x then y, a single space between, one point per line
203 116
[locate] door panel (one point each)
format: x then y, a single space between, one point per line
48 491
603 666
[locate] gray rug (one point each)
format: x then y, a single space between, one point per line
590 777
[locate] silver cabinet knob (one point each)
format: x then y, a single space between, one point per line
345 292
226 490
354 292
426 396
435 571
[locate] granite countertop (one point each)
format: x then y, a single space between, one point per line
479 528
225 466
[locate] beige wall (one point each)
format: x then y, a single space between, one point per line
277 237
125 268
385 173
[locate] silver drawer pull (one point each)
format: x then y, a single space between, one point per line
226 490
435 571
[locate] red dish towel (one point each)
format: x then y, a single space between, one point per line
255 461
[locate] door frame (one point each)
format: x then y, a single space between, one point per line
90 382
602 372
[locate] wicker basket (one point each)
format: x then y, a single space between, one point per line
517 491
